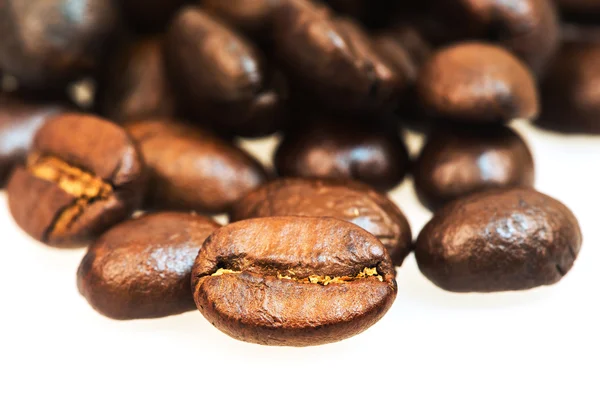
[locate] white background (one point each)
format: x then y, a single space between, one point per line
539 344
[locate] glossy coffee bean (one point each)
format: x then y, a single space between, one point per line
233 91
344 149
191 169
49 42
134 85
19 121
499 240
150 15
83 175
569 92
333 60
527 28
252 16
142 267
350 201
477 82
293 281
459 160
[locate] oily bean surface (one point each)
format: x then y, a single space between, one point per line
293 281
142 267
82 176
458 160
191 169
499 240
350 201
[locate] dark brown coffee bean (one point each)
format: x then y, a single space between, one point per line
293 281
83 175
409 38
134 85
459 160
150 15
570 96
19 121
344 149
350 201
499 240
233 91
191 169
49 42
252 16
142 267
477 82
333 60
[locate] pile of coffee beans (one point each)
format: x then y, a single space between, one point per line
310 252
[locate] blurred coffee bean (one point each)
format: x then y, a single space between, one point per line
333 60
477 82
150 15
569 92
20 119
411 40
458 160
220 77
46 43
252 16
191 169
134 84
371 152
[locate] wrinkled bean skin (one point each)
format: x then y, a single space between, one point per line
150 15
135 85
333 60
83 175
460 160
191 169
19 121
46 43
569 92
234 92
477 82
142 267
371 152
498 240
350 201
259 305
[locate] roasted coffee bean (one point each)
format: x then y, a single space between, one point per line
344 149
150 15
233 92
83 175
333 60
19 121
569 92
49 42
477 82
191 169
411 40
134 85
459 160
252 16
142 267
499 240
528 28
293 281
350 201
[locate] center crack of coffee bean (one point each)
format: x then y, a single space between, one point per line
316 279
82 185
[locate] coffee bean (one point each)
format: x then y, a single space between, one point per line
350 201
142 267
409 38
569 92
251 16
134 84
234 92
49 42
499 240
333 60
83 175
150 15
371 152
191 169
293 281
477 82
458 160
19 121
